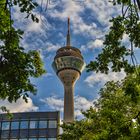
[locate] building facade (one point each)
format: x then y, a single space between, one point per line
30 126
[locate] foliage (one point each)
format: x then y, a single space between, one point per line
8 114
16 65
116 115
115 53
26 6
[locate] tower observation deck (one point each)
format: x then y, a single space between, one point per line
68 65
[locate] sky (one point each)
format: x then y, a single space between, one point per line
89 22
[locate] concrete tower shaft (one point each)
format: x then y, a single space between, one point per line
68 78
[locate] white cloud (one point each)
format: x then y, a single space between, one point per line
47 75
27 24
98 43
47 4
101 78
83 48
35 35
51 47
17 15
33 26
80 103
41 26
41 53
19 106
72 9
69 9
54 103
102 11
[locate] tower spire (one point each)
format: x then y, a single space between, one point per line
68 34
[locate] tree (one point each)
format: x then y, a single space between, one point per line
116 115
115 53
16 65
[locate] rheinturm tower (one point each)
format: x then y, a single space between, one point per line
68 65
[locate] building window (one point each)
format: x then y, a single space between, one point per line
4 134
32 139
33 124
51 138
42 139
52 124
42 132
33 133
42 124
24 125
14 125
14 133
23 133
5 125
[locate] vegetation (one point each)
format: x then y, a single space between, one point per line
16 65
116 114
115 53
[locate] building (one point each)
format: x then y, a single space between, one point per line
30 126
68 65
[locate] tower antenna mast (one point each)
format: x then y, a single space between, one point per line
68 34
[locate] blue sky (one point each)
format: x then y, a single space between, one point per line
89 22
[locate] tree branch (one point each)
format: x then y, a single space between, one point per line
137 115
138 3
124 12
6 3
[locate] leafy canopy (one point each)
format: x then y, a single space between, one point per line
115 53
16 65
116 114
